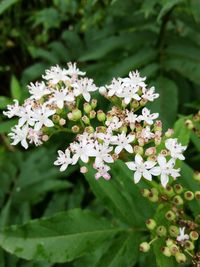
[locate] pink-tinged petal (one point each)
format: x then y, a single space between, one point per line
48 123
118 149
155 171
149 164
137 177
164 180
138 159
147 175
161 160
129 148
131 165
127 100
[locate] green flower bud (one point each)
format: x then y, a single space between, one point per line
169 191
76 114
180 257
138 150
173 230
169 133
75 129
94 103
178 200
143 102
150 224
178 188
123 129
92 114
153 197
144 247
145 192
189 124
197 176
189 195
161 230
89 129
166 251
87 107
55 118
62 122
170 215
101 116
197 195
174 249
169 242
189 245
135 104
194 235
85 119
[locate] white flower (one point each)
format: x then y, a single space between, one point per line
63 159
38 90
141 168
34 137
175 148
101 154
135 80
146 134
147 117
131 118
82 150
129 93
13 110
182 236
56 74
73 71
60 96
102 171
106 137
165 169
113 124
26 116
41 116
148 94
123 142
115 88
83 87
19 135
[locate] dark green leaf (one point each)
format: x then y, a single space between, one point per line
15 88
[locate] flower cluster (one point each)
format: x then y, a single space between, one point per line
128 131
178 233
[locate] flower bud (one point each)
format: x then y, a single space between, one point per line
180 257
55 118
85 119
153 195
197 176
166 251
144 247
123 129
87 108
178 188
94 103
101 116
157 141
189 245
178 200
89 129
145 192
170 215
161 230
197 195
102 90
169 191
134 104
174 249
83 169
75 129
143 102
169 242
173 230
189 195
138 150
45 138
70 116
92 114
62 122
169 133
189 124
194 235
150 151
76 114
150 224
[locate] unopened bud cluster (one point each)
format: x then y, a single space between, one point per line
63 102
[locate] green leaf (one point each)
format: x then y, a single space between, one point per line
168 4
168 99
182 132
60 238
5 127
15 88
122 252
4 101
195 8
5 4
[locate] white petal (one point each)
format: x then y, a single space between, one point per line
161 160
147 175
48 123
118 149
137 176
155 171
129 148
131 165
149 164
164 180
63 167
138 159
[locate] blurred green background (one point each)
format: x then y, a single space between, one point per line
160 38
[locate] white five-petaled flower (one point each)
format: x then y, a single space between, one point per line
38 90
115 88
82 150
165 169
122 141
129 93
147 117
56 74
175 148
19 135
134 80
102 171
59 97
63 159
26 116
182 236
142 168
146 134
41 116
101 154
13 110
131 118
83 87
73 71
34 137
149 94
113 124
